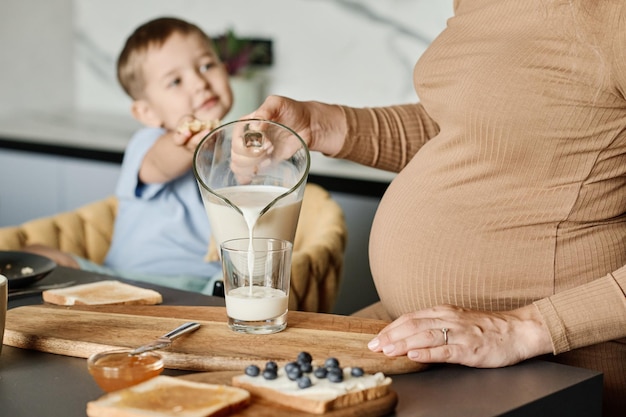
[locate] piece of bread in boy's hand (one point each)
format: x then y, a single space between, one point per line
194 126
108 292
164 396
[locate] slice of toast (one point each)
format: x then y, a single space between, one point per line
164 396
110 292
322 396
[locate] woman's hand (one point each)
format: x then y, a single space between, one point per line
457 335
253 148
321 126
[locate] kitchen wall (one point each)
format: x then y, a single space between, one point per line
59 54
37 59
358 52
59 57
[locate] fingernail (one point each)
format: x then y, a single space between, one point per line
388 349
414 355
373 344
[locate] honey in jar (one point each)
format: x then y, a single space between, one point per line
114 370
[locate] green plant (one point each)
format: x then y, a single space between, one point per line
241 55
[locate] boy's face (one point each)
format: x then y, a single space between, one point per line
182 77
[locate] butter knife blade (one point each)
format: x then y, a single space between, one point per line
166 340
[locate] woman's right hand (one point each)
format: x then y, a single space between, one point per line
314 122
321 126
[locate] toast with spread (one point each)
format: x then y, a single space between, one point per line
315 389
164 396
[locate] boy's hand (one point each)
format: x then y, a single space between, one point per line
191 131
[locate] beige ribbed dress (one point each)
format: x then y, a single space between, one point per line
512 183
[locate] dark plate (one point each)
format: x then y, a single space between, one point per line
16 266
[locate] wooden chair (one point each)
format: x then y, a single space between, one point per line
317 261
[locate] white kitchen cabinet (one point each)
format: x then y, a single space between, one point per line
34 185
84 181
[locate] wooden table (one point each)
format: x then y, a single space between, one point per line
34 383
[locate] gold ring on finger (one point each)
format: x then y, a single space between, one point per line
444 330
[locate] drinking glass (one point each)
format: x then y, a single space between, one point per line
256 284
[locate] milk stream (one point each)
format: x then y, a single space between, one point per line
279 222
251 215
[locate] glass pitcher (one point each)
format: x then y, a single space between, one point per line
252 174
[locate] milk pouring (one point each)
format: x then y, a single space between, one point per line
233 200
260 200
279 221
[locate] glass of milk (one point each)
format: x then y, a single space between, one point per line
252 174
257 274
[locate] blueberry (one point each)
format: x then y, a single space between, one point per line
304 382
356 371
252 370
270 374
331 363
271 365
337 371
320 372
294 373
291 365
335 375
306 367
304 357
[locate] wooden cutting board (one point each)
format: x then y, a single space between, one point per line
83 330
262 408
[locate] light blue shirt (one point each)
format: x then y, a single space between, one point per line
160 229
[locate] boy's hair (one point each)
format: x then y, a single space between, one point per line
153 33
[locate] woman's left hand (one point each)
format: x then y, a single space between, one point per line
458 335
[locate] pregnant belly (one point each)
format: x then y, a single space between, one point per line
426 250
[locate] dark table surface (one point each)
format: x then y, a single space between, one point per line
34 383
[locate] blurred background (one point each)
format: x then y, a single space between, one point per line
62 53
64 121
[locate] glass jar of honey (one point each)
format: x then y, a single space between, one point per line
117 369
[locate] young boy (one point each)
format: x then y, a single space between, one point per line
171 71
